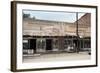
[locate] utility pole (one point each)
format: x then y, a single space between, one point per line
77 35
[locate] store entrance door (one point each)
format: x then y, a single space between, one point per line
48 44
33 44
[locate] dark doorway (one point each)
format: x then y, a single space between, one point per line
77 45
48 44
33 44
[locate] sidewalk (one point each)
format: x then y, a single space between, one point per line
56 57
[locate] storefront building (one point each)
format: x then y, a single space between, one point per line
43 36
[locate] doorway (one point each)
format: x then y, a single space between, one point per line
48 44
33 44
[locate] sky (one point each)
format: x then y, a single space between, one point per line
54 15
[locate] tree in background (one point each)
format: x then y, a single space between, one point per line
26 15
